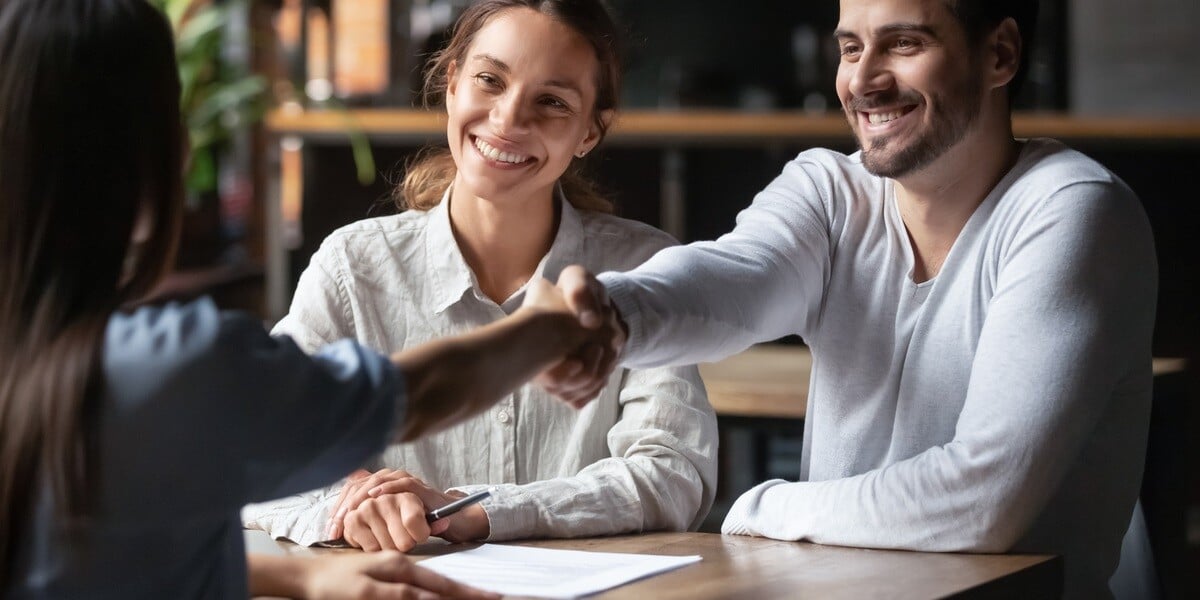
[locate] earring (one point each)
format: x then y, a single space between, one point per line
581 154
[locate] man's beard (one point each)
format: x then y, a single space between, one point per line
951 115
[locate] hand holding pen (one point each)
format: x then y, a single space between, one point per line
392 509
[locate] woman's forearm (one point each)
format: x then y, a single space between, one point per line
451 379
275 575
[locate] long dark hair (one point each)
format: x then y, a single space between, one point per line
90 137
428 176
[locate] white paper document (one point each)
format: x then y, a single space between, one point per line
548 573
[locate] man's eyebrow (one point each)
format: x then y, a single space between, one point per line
893 28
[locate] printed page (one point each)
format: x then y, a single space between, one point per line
548 573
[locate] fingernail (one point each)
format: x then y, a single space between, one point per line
589 318
329 531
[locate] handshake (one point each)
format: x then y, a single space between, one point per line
582 374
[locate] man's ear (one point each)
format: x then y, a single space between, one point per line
595 132
1005 57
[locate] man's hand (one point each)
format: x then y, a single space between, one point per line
583 374
386 511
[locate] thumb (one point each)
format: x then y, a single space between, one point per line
439 526
583 294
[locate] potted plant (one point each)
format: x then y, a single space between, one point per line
219 99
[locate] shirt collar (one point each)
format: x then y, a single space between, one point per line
448 270
452 278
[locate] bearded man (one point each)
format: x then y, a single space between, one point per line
979 309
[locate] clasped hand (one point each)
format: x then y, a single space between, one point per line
581 376
386 510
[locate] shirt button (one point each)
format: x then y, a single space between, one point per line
503 417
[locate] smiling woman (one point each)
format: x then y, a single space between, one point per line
529 88
581 29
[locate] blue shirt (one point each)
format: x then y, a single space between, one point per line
202 413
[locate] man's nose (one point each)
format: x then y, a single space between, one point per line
871 75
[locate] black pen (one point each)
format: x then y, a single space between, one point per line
457 505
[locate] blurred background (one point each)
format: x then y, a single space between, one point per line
301 114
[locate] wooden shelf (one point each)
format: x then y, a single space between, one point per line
717 126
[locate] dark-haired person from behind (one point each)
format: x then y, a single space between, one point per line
129 439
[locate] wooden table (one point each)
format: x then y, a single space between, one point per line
747 568
771 381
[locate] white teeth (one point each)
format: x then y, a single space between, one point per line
493 153
877 118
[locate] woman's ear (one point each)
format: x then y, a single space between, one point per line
451 80
595 133
1006 53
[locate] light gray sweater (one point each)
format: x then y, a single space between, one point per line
1002 406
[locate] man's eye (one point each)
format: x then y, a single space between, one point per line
849 49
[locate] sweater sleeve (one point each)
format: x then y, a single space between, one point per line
1067 332
708 300
661 474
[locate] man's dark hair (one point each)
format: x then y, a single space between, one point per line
980 17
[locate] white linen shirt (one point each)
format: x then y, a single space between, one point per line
642 456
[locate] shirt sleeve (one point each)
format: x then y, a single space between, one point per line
320 309
1067 333
208 412
661 474
709 300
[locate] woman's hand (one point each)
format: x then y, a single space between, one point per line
374 575
386 511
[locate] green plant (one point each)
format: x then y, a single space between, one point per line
218 97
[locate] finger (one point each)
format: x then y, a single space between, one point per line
412 516
591 359
566 368
392 520
376 521
352 493
580 295
439 526
361 492
334 517
410 485
433 582
359 535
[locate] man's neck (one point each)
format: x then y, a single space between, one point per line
937 201
502 243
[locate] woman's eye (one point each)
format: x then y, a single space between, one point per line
487 80
555 103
